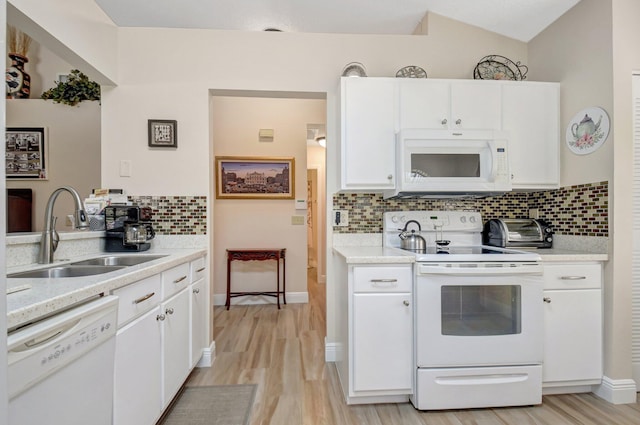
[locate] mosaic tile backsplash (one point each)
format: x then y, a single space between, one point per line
176 215
580 210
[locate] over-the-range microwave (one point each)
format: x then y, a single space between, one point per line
450 163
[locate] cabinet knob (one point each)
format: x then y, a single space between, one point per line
547 300
160 317
405 302
390 177
196 290
511 176
444 121
458 121
169 310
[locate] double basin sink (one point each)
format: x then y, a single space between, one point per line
90 267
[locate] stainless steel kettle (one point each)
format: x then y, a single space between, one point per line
412 241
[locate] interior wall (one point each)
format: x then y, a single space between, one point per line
77 31
262 223
558 54
316 159
73 138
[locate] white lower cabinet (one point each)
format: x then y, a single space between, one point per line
176 349
136 374
572 325
155 344
382 342
376 361
198 309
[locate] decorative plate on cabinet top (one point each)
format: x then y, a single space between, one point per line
496 67
587 130
354 69
411 72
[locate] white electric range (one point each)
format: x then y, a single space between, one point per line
477 314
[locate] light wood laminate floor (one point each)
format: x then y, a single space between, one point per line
282 351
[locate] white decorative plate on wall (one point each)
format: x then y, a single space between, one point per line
587 130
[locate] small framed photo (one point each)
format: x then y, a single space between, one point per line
25 153
163 133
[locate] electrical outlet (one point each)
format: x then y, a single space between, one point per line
340 218
297 220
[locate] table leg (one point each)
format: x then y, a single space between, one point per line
278 280
284 278
228 301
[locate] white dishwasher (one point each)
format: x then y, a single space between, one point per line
60 369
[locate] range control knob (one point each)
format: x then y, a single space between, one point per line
463 219
472 219
547 230
549 239
394 218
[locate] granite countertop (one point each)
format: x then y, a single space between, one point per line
373 254
382 255
46 296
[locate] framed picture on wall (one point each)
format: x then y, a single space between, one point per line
163 133
25 153
241 177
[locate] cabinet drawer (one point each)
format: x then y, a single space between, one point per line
137 298
382 279
175 279
572 276
198 269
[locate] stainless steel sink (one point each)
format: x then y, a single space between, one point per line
117 260
66 271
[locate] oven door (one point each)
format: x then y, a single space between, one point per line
478 314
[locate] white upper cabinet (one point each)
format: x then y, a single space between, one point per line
375 109
531 117
447 104
368 133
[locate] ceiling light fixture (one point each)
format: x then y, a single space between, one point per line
322 141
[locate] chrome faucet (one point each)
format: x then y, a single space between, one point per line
50 238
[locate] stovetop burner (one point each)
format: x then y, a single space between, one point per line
451 236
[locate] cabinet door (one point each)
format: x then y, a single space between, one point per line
175 344
531 117
572 335
368 133
476 105
382 341
198 319
137 394
424 103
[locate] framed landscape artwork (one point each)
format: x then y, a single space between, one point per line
239 177
25 153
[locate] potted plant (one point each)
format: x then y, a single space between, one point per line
75 89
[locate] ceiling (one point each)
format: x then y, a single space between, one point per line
518 19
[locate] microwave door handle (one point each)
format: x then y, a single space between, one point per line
494 163
479 271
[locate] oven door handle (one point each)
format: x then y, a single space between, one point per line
534 269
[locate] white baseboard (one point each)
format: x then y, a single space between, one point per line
616 391
292 298
330 351
208 356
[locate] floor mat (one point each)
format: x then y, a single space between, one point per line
212 405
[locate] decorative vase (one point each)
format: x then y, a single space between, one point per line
18 81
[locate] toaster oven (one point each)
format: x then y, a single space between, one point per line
517 233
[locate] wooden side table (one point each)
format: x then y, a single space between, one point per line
258 255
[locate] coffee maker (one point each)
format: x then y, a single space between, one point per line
128 228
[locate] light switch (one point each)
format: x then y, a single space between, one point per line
125 168
297 220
